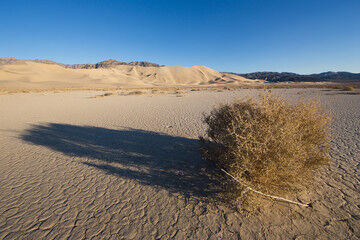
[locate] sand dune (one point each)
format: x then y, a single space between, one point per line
37 75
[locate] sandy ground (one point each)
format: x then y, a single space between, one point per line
128 167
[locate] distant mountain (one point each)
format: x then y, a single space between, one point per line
293 77
338 76
104 64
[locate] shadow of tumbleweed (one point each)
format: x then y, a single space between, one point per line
151 158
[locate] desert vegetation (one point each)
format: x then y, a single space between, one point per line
348 88
267 145
108 94
137 92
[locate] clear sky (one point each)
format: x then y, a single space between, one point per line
303 36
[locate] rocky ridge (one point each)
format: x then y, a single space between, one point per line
294 77
110 63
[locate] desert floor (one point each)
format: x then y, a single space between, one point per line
129 167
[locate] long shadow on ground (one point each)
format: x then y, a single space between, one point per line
151 158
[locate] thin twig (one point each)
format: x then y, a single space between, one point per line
266 195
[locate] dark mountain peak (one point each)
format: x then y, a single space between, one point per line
109 63
144 64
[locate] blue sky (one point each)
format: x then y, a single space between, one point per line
240 36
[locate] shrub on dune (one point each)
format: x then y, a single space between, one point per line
268 145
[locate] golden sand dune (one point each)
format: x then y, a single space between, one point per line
35 75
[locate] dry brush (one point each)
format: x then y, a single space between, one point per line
268 145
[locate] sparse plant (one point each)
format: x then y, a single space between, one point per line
179 92
136 93
104 95
108 94
268 144
348 88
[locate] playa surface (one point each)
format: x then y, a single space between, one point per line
129 167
